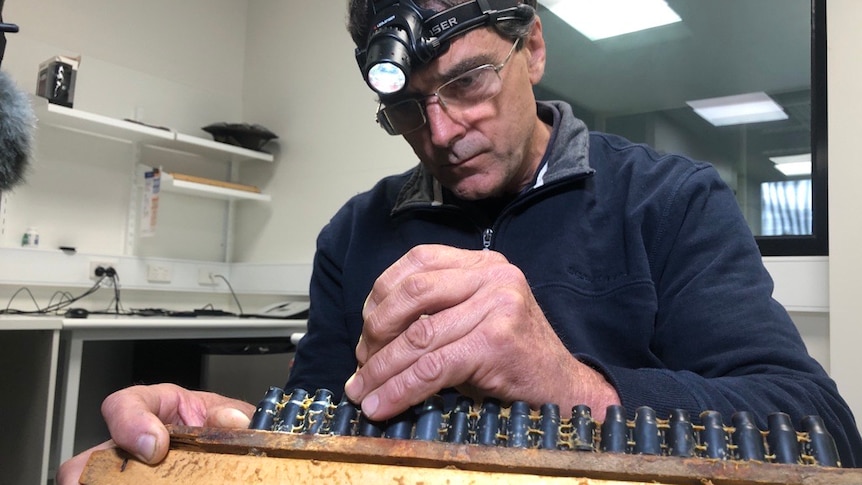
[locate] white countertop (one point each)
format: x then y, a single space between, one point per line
31 322
127 322
96 322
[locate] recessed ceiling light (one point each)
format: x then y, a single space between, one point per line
793 164
600 19
735 110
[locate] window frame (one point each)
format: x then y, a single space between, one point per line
816 243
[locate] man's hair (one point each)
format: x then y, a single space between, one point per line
359 16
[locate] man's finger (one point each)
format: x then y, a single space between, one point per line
433 371
418 295
427 334
228 417
136 417
425 258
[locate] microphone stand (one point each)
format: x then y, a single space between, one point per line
4 28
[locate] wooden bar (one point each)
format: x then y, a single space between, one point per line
208 455
195 468
216 183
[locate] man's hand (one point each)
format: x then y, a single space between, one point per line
444 317
136 418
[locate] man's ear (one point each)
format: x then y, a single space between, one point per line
536 49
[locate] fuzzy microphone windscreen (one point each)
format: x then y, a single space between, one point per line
17 123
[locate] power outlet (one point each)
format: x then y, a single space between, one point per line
104 264
207 276
159 273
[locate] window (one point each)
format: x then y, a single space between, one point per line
785 208
645 85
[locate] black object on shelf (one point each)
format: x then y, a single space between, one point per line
245 135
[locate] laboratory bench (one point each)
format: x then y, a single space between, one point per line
51 368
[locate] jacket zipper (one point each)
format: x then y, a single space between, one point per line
487 235
488 232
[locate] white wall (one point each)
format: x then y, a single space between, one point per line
845 174
174 64
187 64
181 63
303 81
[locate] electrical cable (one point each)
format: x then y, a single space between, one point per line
8 310
239 307
115 278
116 301
64 297
64 304
51 307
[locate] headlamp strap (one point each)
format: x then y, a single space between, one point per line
484 5
469 15
378 6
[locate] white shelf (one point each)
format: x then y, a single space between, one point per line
206 147
97 125
170 184
140 137
120 130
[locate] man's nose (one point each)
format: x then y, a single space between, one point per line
445 125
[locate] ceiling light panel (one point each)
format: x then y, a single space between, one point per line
738 109
609 18
793 164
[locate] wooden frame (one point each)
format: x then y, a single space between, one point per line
201 456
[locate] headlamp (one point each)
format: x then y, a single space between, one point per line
403 37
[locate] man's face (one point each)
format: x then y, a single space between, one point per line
494 147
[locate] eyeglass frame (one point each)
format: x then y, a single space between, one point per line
419 101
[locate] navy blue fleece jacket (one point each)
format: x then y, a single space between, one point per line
642 263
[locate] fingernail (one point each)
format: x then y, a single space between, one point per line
231 418
353 386
361 352
365 304
146 447
370 405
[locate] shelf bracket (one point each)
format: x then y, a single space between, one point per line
131 236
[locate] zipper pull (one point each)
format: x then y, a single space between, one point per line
486 239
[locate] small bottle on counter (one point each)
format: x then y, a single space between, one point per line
30 238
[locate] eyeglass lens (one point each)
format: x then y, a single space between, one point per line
463 91
402 117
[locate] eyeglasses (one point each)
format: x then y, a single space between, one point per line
461 92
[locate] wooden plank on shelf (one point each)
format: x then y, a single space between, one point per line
216 183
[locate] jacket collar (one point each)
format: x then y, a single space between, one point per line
567 156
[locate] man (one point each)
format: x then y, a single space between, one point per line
524 259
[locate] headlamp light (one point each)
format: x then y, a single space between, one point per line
403 37
387 77
397 31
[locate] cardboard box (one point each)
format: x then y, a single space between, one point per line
56 81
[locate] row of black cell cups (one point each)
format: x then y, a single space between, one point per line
518 426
